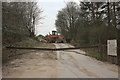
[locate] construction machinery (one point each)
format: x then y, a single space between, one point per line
54 38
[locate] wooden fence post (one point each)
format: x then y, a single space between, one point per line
118 47
100 51
103 52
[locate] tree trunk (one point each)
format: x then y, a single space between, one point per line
114 14
108 9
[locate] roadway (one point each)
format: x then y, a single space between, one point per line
59 64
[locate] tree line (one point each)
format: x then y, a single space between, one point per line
19 20
88 22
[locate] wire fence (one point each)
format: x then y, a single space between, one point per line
100 53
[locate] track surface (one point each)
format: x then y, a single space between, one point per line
69 64
79 66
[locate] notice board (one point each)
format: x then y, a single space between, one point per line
112 47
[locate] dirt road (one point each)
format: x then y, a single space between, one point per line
60 64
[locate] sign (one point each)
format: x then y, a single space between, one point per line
112 47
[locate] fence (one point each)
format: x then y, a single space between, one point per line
100 53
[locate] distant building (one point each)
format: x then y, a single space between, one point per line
40 37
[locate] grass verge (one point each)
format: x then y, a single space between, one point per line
9 54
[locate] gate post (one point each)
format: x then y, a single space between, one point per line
118 47
103 52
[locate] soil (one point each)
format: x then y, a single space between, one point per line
58 64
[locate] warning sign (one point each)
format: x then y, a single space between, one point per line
112 47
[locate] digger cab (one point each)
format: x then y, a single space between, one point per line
54 33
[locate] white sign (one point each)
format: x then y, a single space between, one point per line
112 47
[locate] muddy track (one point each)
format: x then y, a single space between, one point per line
59 64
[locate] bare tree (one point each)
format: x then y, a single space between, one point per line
19 20
67 19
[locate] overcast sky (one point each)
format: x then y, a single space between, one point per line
50 8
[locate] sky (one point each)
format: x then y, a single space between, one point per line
50 10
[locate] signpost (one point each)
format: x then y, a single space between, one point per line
112 47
